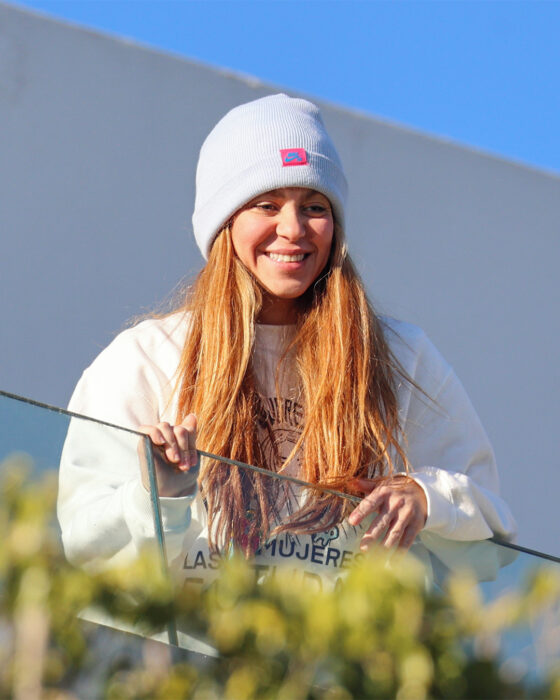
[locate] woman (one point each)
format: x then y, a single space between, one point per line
279 360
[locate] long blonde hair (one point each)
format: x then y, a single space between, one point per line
346 376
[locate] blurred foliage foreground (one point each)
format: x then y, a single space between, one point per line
381 635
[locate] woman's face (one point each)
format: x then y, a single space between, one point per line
284 238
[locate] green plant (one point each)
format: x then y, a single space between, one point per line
380 635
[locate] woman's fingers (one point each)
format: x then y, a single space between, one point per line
170 446
370 504
400 509
403 531
380 525
175 457
185 434
162 436
386 519
176 443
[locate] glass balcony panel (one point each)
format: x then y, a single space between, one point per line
323 559
93 533
98 535
532 650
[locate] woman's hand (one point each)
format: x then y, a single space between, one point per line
175 457
401 507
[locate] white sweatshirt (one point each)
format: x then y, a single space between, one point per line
105 512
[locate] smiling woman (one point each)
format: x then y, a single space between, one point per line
278 359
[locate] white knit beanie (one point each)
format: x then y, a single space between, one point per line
276 141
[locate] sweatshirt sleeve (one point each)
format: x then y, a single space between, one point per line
449 453
104 510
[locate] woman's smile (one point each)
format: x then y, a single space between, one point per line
286 257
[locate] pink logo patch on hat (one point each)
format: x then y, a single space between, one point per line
293 156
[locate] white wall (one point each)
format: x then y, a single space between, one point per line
98 145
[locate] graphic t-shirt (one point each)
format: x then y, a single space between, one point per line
320 557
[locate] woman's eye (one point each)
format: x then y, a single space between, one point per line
317 208
264 206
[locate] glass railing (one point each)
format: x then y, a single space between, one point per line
109 509
88 523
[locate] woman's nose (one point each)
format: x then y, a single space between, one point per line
290 223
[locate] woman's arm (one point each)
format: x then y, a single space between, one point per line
104 508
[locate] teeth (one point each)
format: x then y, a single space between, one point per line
286 258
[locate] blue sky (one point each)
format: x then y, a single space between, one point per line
485 74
